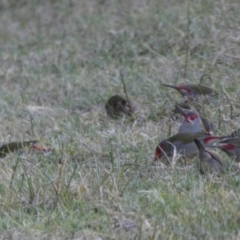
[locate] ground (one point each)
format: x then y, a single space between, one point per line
59 63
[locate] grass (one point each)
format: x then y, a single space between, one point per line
60 62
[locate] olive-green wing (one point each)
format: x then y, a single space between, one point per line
14 146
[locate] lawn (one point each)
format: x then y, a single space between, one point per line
59 63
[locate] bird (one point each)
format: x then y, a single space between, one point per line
231 147
193 122
14 146
209 161
231 150
118 106
183 144
194 91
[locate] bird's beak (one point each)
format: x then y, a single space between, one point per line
180 110
171 86
188 120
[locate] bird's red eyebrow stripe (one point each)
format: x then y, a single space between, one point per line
208 139
228 146
41 148
191 117
184 88
158 152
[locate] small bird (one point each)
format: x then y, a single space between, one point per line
193 122
231 150
183 144
193 91
231 147
118 106
14 146
209 161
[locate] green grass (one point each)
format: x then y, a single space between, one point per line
60 61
